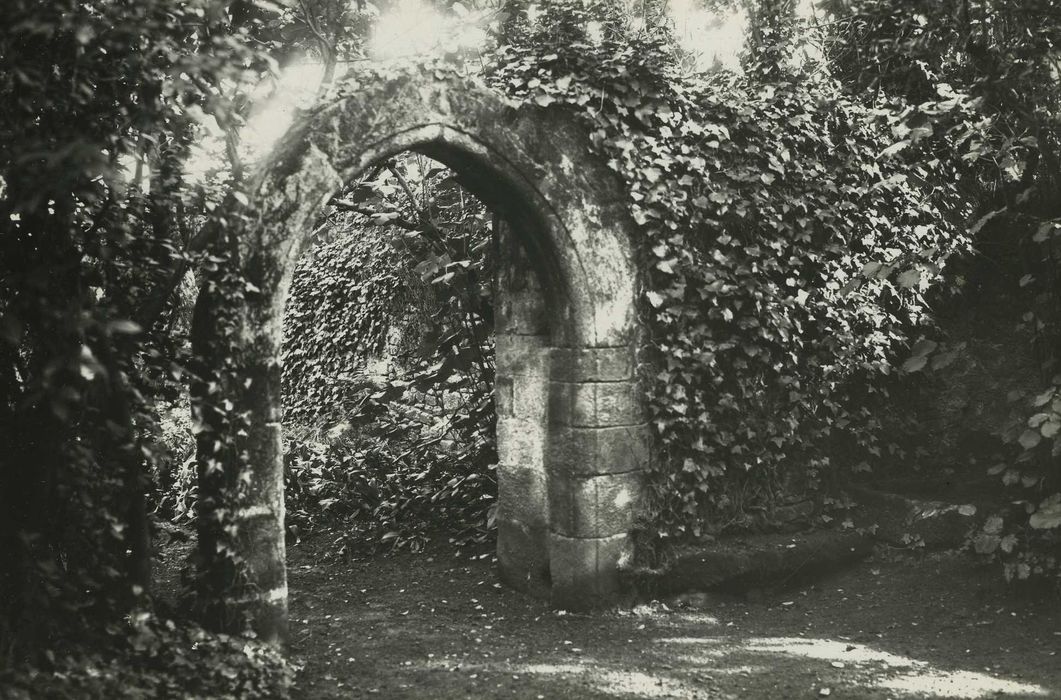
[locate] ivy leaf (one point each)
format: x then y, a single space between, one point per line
1044 398
1037 420
975 228
894 148
871 269
910 278
924 347
915 364
994 524
1048 516
986 543
1030 438
1045 230
124 327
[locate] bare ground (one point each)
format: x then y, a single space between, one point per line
436 625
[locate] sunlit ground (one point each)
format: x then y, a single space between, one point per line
821 667
930 626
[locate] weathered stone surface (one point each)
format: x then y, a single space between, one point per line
610 450
760 561
263 385
523 557
503 395
596 403
521 354
585 572
520 442
522 494
260 538
521 308
592 364
530 396
265 448
595 506
532 166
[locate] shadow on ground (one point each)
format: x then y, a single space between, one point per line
436 625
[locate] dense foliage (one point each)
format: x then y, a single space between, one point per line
158 659
1000 56
407 273
798 222
788 250
100 105
93 129
388 365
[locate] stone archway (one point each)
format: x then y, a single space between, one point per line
572 437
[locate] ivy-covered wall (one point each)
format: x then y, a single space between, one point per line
790 256
789 251
350 301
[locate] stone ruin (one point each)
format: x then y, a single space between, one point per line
571 426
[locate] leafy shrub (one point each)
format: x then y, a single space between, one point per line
1005 145
84 255
175 484
158 658
385 479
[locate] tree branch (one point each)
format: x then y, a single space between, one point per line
347 205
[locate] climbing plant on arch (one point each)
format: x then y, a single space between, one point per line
787 253
572 438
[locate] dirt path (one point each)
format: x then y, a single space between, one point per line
436 625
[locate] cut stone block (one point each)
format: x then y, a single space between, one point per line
521 354
585 572
522 495
264 445
503 395
596 506
596 403
262 383
592 364
523 557
609 450
530 396
520 442
520 306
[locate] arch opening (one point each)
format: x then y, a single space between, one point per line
572 436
